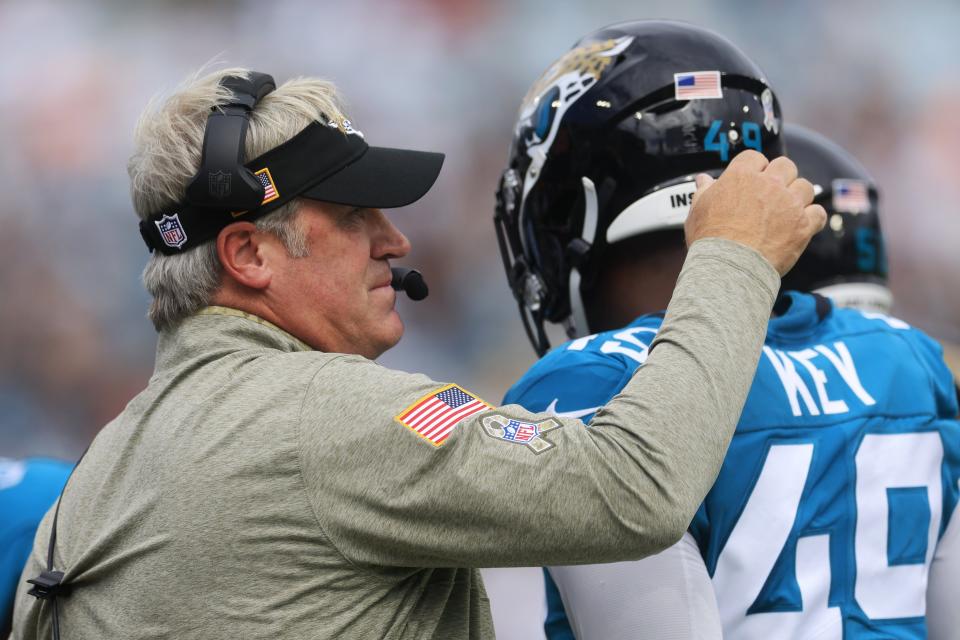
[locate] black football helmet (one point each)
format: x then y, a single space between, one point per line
847 260
606 147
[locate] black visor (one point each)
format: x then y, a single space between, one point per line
381 178
322 162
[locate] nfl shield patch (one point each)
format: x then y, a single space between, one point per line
529 434
172 231
522 432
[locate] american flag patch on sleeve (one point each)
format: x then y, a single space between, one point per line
434 416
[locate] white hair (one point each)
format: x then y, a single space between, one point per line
167 143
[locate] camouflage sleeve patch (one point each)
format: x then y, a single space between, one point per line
434 416
529 434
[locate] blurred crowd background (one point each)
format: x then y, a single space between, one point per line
881 78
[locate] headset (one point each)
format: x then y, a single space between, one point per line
223 181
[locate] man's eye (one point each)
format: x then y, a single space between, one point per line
353 217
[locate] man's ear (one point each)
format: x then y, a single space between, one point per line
244 252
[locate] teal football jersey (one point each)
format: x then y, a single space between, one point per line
839 482
27 490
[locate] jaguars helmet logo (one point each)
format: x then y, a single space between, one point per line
558 88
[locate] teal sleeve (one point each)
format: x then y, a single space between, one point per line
12 560
574 385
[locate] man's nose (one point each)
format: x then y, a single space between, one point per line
389 242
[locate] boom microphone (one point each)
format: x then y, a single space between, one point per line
410 281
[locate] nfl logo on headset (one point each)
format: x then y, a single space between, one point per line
220 183
172 231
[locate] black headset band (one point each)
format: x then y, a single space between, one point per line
247 92
222 180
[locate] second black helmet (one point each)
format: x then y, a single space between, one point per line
847 260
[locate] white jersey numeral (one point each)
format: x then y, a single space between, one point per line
758 540
886 462
638 349
883 591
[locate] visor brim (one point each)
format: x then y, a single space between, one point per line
382 178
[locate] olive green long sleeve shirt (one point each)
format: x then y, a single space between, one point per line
259 489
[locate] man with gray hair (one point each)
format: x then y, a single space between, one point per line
273 481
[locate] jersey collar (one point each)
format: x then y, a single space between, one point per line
801 314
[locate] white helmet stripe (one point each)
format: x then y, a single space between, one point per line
665 208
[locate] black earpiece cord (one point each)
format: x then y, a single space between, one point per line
49 584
